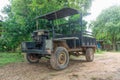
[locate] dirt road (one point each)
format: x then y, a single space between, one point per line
104 67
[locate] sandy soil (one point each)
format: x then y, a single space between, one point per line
104 67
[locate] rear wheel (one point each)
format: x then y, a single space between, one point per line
32 58
89 55
60 59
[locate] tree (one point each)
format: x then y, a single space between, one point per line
107 25
0 27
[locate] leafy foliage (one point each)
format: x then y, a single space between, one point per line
107 25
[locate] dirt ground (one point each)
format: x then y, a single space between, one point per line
104 67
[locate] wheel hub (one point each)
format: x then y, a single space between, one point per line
32 57
62 58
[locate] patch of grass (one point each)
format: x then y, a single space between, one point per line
6 58
98 51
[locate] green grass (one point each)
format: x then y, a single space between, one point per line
99 51
6 58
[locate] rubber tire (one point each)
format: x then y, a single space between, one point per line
31 61
54 59
89 55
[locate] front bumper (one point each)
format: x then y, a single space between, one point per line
29 47
36 51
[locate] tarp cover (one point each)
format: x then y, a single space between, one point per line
59 14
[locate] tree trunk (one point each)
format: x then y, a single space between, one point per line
114 45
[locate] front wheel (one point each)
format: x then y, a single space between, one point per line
89 55
60 59
32 58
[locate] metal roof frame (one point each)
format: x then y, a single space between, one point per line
59 14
